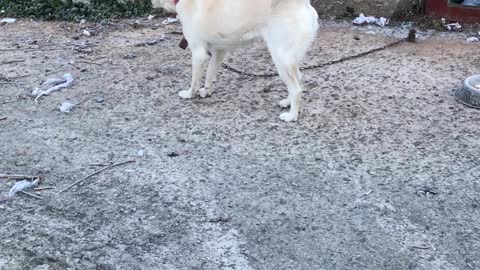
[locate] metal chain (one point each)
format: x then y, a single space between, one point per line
410 38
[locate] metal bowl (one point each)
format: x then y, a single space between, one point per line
469 93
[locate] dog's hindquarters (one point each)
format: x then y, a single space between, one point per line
289 33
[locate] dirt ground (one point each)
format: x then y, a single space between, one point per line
380 172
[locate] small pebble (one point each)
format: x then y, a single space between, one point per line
172 154
99 99
130 55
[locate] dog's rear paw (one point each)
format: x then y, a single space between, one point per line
204 93
288 117
186 94
284 103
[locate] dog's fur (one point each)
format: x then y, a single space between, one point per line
287 26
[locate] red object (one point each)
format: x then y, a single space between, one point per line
453 12
183 43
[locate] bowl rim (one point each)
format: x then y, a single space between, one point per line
469 84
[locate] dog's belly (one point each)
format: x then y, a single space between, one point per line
222 40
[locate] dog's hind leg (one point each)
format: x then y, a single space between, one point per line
199 56
285 59
289 33
290 74
217 59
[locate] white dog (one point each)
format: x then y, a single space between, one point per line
287 26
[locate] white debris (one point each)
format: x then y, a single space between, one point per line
22 185
53 81
170 21
86 33
66 107
59 84
381 21
150 17
83 21
473 39
140 153
362 19
8 20
451 26
455 26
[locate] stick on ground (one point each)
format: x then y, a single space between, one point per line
18 177
43 188
12 62
10 101
31 194
420 247
89 62
97 172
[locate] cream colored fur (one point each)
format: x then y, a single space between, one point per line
287 26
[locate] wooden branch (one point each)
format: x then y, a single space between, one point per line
97 172
18 177
31 194
12 62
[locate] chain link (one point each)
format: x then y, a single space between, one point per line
410 38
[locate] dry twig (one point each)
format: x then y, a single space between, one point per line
100 164
12 62
30 49
88 62
43 188
31 194
10 101
18 177
420 247
10 79
97 172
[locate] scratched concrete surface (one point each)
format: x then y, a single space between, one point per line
380 172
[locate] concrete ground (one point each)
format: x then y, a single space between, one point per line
380 172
